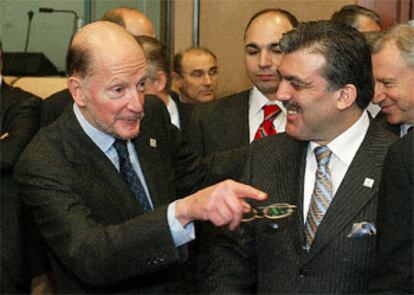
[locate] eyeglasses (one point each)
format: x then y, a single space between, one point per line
274 211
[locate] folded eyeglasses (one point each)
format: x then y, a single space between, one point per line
274 211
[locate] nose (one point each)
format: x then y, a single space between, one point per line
264 59
379 95
136 101
207 79
283 92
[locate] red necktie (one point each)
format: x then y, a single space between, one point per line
267 128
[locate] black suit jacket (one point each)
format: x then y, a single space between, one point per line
19 118
222 124
268 258
394 261
99 238
54 106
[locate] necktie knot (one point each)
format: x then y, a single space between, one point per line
270 112
323 155
121 148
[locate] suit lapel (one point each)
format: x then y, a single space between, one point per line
238 114
151 159
96 170
353 193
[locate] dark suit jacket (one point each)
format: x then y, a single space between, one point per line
184 112
222 124
269 258
19 117
394 260
54 106
99 238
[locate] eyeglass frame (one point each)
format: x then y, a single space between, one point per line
260 212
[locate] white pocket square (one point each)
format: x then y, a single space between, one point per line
361 229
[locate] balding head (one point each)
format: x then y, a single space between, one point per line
93 42
134 21
107 72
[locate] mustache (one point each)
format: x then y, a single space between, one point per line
291 105
136 117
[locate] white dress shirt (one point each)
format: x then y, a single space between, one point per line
105 142
173 111
343 147
256 114
404 129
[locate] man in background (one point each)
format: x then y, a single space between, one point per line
238 119
196 75
19 121
393 66
328 165
159 82
393 62
358 17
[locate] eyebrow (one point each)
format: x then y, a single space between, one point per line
292 78
254 45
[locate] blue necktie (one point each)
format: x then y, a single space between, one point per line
322 193
129 175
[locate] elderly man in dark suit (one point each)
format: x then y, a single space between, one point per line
19 121
103 181
328 165
234 121
393 63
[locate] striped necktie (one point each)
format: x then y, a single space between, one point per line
129 175
267 128
322 193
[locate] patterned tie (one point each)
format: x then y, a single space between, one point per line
322 193
267 128
129 175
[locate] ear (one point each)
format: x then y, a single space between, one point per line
76 90
177 79
346 96
161 81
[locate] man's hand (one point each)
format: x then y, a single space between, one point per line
222 204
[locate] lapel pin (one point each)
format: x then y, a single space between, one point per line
369 182
153 142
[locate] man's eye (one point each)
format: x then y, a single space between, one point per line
389 84
117 91
197 74
251 52
141 86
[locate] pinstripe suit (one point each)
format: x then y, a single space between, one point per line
259 258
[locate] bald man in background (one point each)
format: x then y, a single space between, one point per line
134 21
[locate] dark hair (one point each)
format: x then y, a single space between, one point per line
348 14
346 53
178 58
78 60
290 17
155 54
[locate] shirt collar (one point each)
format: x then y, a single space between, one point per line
404 128
103 140
258 100
345 145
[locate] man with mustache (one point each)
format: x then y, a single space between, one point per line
234 121
328 164
104 182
